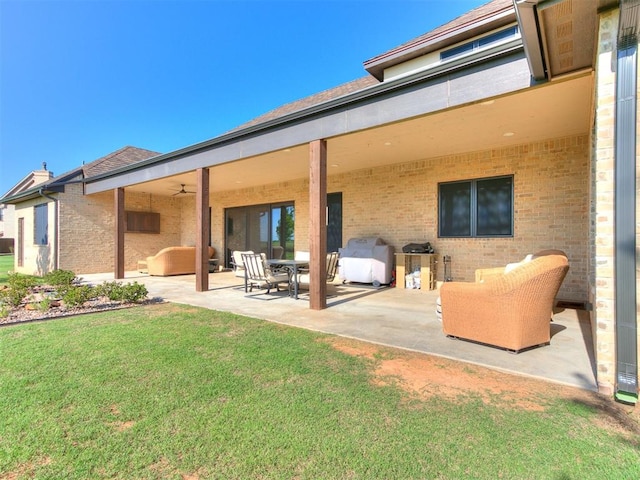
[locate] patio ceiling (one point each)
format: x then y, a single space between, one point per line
552 110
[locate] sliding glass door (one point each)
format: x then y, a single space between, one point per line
282 222
264 229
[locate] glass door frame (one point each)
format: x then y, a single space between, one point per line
258 234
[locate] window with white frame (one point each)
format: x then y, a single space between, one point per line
476 208
41 224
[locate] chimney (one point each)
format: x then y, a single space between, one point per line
41 176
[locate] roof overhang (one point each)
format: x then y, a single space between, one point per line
495 72
32 193
559 36
549 110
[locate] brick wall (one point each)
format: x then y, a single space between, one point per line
7 224
399 204
87 229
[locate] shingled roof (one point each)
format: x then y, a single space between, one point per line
310 101
120 158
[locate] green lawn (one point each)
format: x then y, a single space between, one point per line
167 391
6 264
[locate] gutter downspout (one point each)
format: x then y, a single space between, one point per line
626 330
55 225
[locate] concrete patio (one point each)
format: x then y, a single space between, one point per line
393 317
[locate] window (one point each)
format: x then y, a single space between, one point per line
480 43
41 224
476 208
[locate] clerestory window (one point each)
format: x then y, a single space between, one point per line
480 43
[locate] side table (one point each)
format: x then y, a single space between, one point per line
408 262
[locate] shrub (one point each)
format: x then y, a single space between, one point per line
19 286
134 292
76 295
18 280
118 292
60 278
111 290
12 297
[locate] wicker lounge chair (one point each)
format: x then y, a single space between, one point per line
509 310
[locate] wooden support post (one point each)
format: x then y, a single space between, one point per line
318 224
202 230
118 202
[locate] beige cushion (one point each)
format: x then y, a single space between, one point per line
174 261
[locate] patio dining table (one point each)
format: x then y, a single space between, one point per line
292 267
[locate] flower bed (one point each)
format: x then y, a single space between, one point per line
60 294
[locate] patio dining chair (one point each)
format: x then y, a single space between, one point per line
259 274
237 263
332 270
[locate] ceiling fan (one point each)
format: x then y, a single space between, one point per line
182 191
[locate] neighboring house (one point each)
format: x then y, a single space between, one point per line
7 212
509 130
57 226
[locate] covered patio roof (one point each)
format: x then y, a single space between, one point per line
553 110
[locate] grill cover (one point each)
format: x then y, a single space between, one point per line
366 260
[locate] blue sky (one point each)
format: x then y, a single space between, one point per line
80 79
